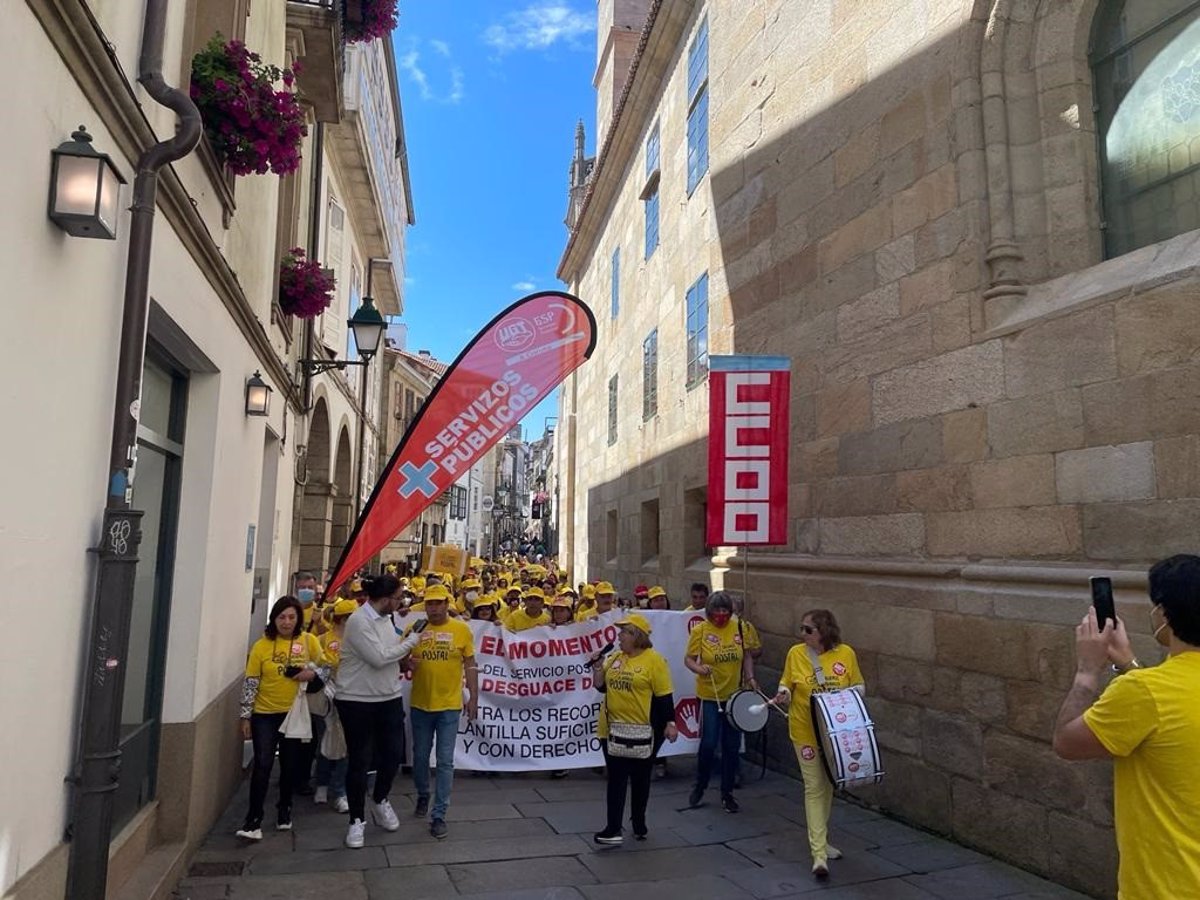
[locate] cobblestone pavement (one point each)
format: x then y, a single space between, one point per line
528 837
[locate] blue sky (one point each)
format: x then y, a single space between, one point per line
491 91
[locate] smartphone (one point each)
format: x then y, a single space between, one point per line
292 671
1102 600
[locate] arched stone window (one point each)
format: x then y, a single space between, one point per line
1145 60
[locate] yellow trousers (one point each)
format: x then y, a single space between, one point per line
818 803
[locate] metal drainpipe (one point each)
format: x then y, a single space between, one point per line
314 250
97 768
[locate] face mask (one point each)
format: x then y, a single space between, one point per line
472 596
721 619
1163 639
306 595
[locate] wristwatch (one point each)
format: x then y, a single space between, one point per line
1121 670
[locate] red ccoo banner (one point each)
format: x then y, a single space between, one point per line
510 366
748 424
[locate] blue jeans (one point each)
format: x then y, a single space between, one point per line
714 729
331 773
425 726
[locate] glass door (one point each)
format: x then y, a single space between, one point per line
156 493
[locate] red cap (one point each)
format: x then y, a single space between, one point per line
641 591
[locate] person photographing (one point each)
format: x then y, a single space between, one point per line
369 705
1147 721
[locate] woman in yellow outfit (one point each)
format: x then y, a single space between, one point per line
331 773
636 683
820 646
715 652
281 662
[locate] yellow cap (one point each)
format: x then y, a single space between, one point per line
344 607
491 599
534 592
417 582
356 586
566 590
605 588
471 584
656 591
436 592
562 600
636 621
589 592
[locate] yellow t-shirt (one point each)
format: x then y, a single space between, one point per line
438 677
631 681
841 671
585 612
519 620
720 648
331 648
267 661
750 635
1149 720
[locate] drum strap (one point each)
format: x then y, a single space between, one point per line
818 671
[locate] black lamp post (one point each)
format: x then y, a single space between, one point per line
85 189
368 326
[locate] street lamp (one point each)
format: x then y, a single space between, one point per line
258 396
85 188
368 327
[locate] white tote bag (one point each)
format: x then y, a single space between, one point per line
298 723
333 744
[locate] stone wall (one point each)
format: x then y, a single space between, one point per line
984 411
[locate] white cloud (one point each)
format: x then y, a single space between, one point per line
410 62
538 26
524 286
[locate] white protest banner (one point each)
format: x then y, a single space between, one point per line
538 708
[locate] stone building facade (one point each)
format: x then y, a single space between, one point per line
969 225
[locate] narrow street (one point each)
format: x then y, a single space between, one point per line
528 837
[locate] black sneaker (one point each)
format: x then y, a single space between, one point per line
284 822
438 828
729 804
695 797
639 832
421 810
608 837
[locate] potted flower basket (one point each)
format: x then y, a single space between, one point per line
305 289
369 19
253 120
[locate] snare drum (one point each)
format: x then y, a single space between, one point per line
846 736
738 709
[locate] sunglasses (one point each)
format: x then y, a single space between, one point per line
808 629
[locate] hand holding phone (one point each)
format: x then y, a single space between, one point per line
292 671
1102 600
420 625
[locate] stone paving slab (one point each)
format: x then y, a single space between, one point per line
984 881
446 852
709 887
528 837
514 875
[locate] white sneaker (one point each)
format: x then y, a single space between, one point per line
356 835
250 834
321 795
341 804
832 852
385 816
